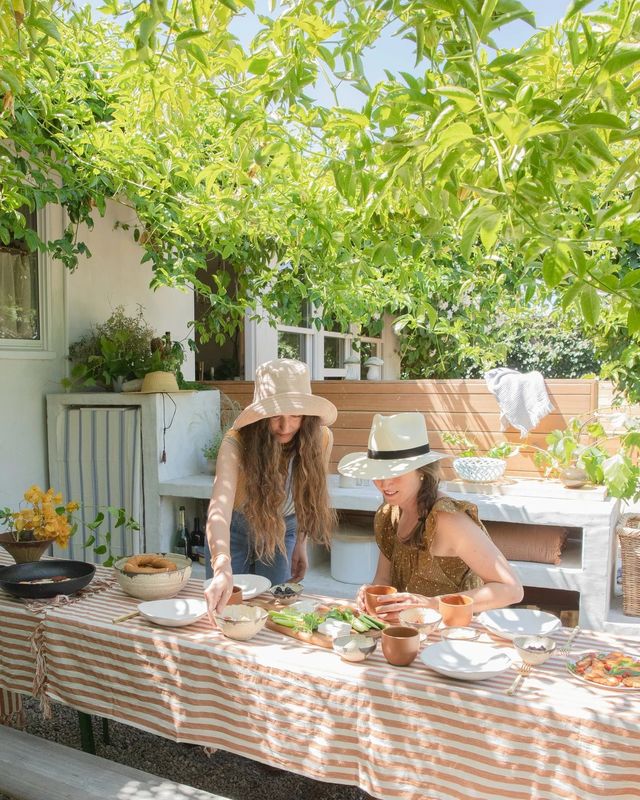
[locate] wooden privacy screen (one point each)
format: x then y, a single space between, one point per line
455 405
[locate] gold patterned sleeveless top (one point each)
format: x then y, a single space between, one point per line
413 567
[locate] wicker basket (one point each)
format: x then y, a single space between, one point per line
628 531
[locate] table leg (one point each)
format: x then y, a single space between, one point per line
87 741
105 731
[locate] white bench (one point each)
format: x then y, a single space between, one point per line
32 768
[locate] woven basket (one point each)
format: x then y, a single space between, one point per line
628 531
480 470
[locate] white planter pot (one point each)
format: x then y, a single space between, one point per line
483 470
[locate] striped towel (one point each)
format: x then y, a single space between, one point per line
522 398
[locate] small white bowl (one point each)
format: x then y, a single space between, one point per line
286 593
424 619
354 647
175 613
459 633
242 622
534 650
154 585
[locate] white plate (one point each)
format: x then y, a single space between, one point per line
466 661
175 613
510 622
251 585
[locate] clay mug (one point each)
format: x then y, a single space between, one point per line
456 609
371 594
236 596
400 645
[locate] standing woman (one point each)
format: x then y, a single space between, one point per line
270 490
430 544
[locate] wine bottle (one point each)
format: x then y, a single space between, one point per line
181 543
197 541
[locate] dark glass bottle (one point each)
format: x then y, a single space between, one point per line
197 540
181 544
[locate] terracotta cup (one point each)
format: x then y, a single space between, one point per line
456 609
236 596
400 645
372 593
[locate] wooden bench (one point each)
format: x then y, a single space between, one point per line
32 768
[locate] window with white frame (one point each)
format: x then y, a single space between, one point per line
21 295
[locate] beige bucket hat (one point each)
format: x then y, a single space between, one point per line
154 382
397 444
283 386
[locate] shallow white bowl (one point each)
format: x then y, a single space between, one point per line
510 622
466 661
154 585
424 619
534 650
251 585
242 621
174 613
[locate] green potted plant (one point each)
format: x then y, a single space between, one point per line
471 466
210 450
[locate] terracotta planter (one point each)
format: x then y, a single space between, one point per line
28 549
456 609
400 645
372 593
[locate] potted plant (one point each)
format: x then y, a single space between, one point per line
210 450
47 520
471 466
580 454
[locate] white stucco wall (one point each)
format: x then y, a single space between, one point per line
113 276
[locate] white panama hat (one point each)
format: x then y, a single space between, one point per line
397 444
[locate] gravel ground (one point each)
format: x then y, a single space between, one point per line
231 776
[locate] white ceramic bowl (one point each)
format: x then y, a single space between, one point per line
173 613
242 621
483 470
510 622
424 619
459 633
466 661
354 647
154 585
534 649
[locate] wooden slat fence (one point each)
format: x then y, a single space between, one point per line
464 406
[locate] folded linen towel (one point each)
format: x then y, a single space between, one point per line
522 398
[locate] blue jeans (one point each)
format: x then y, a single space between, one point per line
243 558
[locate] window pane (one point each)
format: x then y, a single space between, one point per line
333 352
292 345
19 291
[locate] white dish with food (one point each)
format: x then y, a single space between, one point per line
465 660
251 585
175 613
510 622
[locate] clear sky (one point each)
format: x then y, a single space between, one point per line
396 54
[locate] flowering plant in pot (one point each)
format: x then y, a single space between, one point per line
211 448
47 519
471 466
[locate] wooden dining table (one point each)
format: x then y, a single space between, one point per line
402 733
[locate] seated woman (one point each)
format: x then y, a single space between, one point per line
429 544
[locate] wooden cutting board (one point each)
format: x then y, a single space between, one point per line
317 639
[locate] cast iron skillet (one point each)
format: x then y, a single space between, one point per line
79 574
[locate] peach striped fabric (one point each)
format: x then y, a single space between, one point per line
398 733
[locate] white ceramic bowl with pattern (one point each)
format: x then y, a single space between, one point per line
242 622
154 585
479 470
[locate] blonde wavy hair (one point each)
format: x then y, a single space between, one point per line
265 464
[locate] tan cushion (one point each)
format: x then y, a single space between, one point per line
519 542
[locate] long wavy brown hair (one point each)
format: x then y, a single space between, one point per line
265 464
427 496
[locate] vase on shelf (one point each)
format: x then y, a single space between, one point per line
28 548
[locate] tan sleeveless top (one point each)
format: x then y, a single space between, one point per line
413 567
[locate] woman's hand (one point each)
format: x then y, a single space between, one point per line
393 604
299 560
219 590
360 598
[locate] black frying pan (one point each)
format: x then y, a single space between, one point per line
77 573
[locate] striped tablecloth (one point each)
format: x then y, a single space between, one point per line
398 733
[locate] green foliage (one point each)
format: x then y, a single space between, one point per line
220 151
122 348
211 448
469 448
